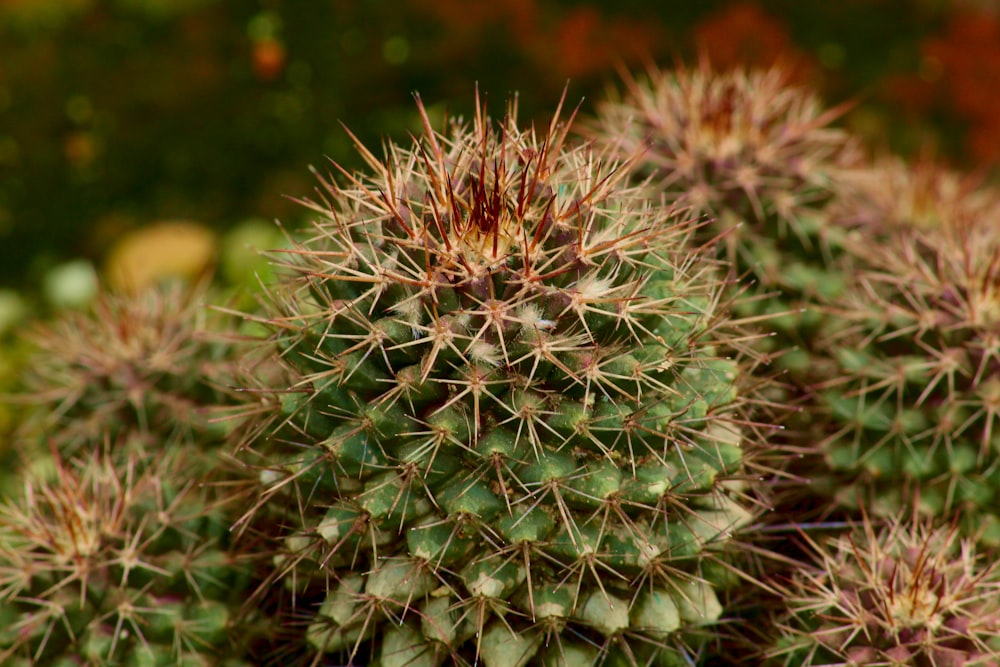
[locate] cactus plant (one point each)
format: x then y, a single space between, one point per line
758 158
500 412
908 594
114 562
911 411
510 436
142 365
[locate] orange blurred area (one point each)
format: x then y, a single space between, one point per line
743 34
162 250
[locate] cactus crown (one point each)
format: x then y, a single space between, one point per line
908 594
115 563
743 142
508 414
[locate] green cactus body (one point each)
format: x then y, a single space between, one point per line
112 564
913 409
905 595
513 440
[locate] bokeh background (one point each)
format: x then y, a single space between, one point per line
118 114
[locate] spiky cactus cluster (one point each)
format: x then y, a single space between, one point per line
913 407
112 564
114 537
907 594
876 278
502 415
511 438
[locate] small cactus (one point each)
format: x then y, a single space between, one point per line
117 563
913 409
908 594
138 369
509 437
114 534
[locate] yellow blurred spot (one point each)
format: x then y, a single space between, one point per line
173 249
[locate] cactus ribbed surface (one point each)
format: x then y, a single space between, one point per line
510 438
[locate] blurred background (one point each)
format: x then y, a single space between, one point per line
119 115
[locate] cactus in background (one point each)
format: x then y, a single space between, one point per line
114 562
138 369
884 331
911 415
510 437
892 193
905 595
755 156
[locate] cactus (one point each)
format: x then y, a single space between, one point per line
757 158
509 436
908 594
115 562
138 369
892 193
911 412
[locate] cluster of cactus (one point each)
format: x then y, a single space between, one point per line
115 542
885 318
513 404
